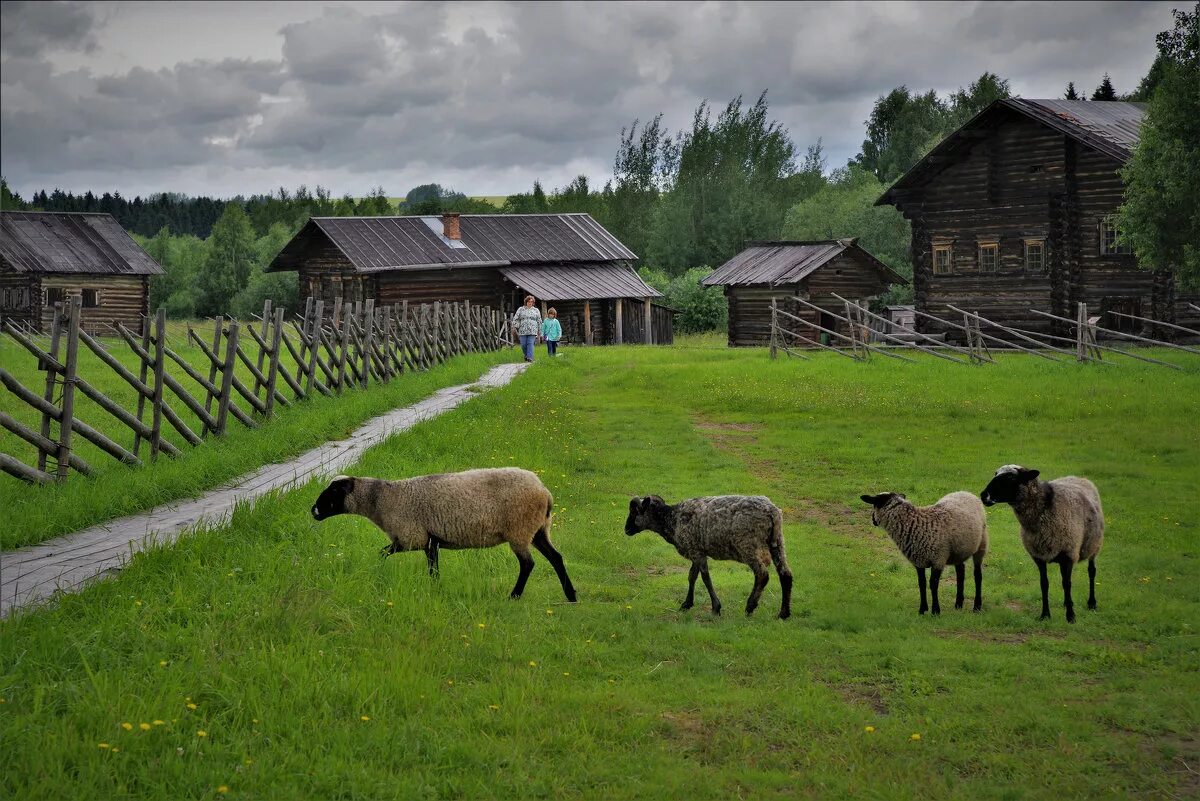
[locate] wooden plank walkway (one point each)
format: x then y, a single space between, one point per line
67 563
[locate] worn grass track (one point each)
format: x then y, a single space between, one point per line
317 670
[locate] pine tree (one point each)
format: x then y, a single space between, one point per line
1071 93
1105 90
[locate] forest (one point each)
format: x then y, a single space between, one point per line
684 201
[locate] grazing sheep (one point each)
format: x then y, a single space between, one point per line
951 531
472 509
1061 521
741 528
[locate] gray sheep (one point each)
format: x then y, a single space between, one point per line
471 509
950 531
741 528
1061 521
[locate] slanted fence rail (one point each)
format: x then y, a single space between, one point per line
241 375
864 333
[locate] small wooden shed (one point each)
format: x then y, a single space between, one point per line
568 261
48 257
813 271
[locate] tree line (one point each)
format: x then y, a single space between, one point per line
687 201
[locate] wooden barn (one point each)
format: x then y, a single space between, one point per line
1015 211
813 271
568 261
46 258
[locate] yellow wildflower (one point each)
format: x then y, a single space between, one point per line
532 663
201 733
915 737
127 726
104 745
158 723
389 603
222 789
162 663
144 726
493 706
364 717
115 749
191 706
870 729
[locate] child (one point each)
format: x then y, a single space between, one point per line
551 332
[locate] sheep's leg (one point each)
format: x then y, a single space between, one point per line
921 586
761 577
1092 583
712 594
785 578
690 600
1066 565
1045 582
960 575
978 582
389 549
431 554
526 562
541 541
935 578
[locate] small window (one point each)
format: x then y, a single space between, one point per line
941 259
1035 255
55 295
91 298
1108 238
989 257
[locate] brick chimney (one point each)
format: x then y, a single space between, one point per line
450 228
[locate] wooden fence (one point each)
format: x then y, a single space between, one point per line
865 333
344 347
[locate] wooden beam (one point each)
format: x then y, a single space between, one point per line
619 333
649 325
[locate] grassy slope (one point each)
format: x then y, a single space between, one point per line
35 514
318 670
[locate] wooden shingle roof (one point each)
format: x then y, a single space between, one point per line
374 244
1109 127
72 243
775 263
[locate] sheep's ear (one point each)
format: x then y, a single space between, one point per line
901 495
868 499
633 504
1028 475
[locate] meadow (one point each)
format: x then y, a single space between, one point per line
278 657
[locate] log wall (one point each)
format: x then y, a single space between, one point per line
19 297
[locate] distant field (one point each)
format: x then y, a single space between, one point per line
278 657
495 200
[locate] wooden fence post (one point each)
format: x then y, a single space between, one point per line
231 344
68 392
160 328
1080 322
55 337
262 351
368 333
343 342
619 337
273 369
649 330
300 360
314 340
774 325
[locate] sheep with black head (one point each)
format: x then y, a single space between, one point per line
740 528
471 509
1061 521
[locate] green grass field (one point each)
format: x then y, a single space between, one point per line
38 513
277 657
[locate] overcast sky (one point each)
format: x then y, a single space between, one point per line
240 98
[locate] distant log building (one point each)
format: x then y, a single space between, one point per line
813 271
568 261
46 258
1016 211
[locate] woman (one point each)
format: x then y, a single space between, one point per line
528 321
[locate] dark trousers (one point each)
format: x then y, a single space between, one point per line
551 347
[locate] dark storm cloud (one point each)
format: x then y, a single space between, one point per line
29 28
496 95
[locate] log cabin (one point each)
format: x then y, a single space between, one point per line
1016 210
568 261
813 271
48 257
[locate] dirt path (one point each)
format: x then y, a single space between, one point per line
67 563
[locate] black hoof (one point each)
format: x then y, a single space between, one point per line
922 611
514 596
384 553
717 611
958 604
571 598
785 614
937 611
977 608
1092 605
1071 617
1045 616
683 607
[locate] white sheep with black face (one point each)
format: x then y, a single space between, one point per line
472 509
1061 521
949 532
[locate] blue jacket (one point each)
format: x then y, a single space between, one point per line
551 329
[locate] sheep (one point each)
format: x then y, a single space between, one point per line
949 532
471 509
1061 521
741 528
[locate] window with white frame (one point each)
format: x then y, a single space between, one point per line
1108 238
942 262
91 298
989 256
1035 255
